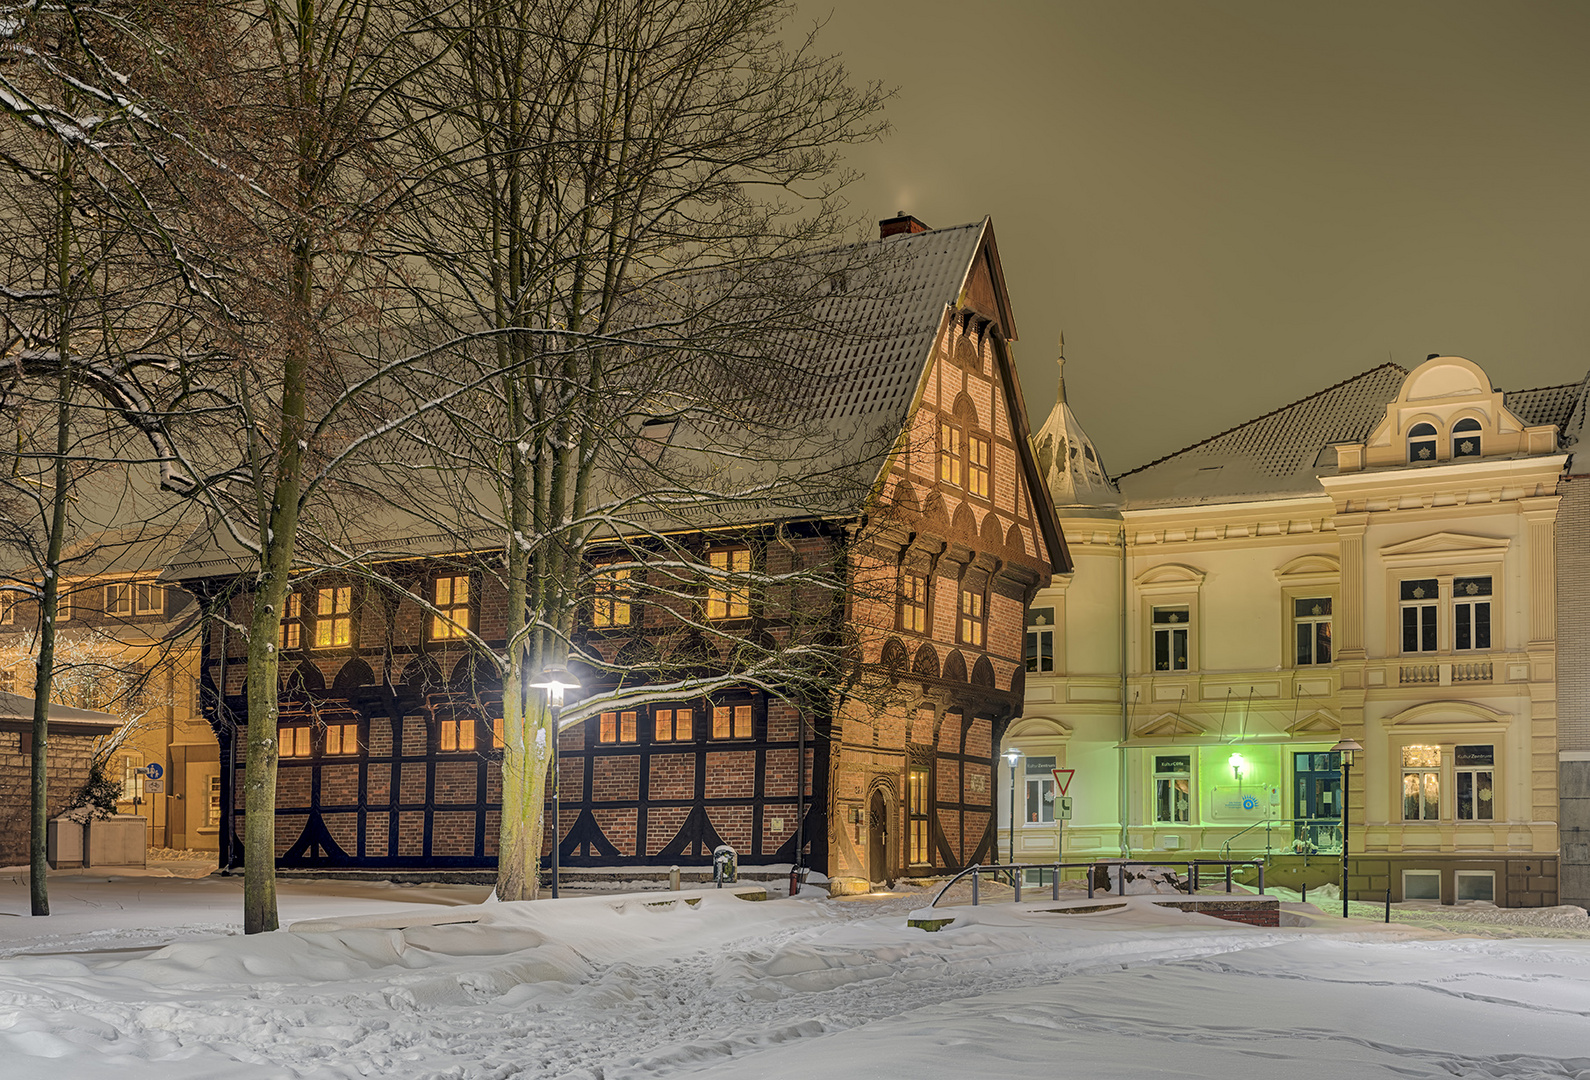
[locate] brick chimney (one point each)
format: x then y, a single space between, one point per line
900 223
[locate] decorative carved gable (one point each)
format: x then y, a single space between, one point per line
1444 545
1169 725
1310 570
1433 715
1318 722
1170 574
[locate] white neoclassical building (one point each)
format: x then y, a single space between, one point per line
1375 562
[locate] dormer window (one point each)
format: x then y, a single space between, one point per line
1466 438
1421 443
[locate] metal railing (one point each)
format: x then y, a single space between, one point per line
1014 872
1315 846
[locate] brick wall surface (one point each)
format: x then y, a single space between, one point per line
69 759
615 778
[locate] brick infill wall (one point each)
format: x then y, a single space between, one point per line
1251 910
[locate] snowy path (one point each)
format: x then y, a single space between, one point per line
621 989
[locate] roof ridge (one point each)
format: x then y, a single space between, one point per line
1264 416
1537 389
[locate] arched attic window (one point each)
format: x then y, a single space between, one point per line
1466 438
1421 443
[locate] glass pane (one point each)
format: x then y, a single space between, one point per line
1464 587
1177 764
1040 766
1179 648
1465 796
1170 615
1041 616
1421 589
1034 800
1432 796
1482 626
1319 605
1484 795
1421 756
1410 629
1305 643
1410 796
1322 643
1162 650
1427 629
1474 755
1464 635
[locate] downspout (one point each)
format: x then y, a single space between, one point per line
1126 725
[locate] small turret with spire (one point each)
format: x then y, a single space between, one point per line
1071 466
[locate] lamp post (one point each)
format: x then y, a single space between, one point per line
1012 755
555 680
1346 748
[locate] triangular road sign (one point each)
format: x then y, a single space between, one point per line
1062 778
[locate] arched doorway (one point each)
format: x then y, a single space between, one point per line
878 840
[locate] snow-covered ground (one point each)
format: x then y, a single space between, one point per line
146 976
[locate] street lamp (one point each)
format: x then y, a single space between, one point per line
1012 755
555 680
1346 748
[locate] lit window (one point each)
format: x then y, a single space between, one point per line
290 634
1173 789
1476 782
616 727
1421 783
1466 438
1421 443
972 614
674 725
149 600
344 738
8 681
334 626
977 466
1040 792
294 741
950 454
456 735
725 600
132 778
118 598
1040 640
452 608
913 603
1471 613
731 721
916 786
497 742
212 816
1170 638
63 605
8 607
611 605
1311 621
1418 600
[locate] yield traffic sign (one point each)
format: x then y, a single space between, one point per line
1062 779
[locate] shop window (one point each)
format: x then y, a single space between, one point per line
1471 613
1421 443
451 618
1474 886
118 598
674 725
731 721
454 735
949 454
977 466
973 616
1418 600
290 634
1040 791
1476 782
726 600
1421 885
294 741
1421 783
1466 438
611 603
334 622
916 784
343 739
1170 638
1040 640
1311 621
617 727
1173 789
913 603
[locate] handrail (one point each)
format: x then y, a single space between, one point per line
1269 823
1191 866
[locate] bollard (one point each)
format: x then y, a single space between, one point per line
1388 905
974 888
1057 881
1123 879
1015 883
1193 869
1261 879
673 878
1228 877
1305 894
1091 868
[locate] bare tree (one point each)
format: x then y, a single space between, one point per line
615 197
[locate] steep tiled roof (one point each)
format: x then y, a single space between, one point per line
1273 456
1545 405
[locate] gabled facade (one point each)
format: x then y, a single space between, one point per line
1375 562
388 734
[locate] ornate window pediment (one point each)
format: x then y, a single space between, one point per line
1169 725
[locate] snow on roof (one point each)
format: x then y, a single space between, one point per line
1272 456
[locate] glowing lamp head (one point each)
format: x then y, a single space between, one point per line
555 680
1012 755
1239 765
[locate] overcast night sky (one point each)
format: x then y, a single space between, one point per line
1228 206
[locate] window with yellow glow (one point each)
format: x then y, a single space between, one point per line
949 454
341 738
731 721
726 600
673 725
290 634
616 727
972 624
334 622
611 604
913 603
451 598
1421 783
456 735
977 466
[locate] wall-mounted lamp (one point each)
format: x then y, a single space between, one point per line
1238 764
